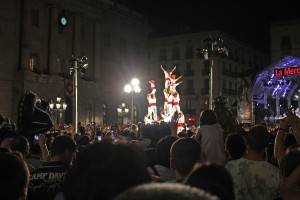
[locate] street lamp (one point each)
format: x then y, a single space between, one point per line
132 88
122 111
213 47
59 106
77 63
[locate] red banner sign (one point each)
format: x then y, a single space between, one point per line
286 71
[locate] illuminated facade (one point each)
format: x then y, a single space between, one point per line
274 93
181 50
41 36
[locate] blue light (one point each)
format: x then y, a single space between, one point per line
266 83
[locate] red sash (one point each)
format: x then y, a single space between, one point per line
151 104
175 103
180 124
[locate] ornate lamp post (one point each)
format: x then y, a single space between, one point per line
213 47
77 63
132 88
59 107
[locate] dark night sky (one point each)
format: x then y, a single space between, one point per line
248 21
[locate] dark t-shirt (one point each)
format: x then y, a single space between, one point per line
46 181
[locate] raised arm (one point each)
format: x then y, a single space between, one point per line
162 68
178 78
279 151
173 69
176 84
295 123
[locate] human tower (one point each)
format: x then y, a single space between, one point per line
171 101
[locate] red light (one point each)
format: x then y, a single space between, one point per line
191 118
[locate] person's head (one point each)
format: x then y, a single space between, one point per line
235 146
103 170
162 191
21 144
134 127
258 138
63 149
7 135
84 140
290 162
212 178
173 76
185 152
163 150
208 117
14 177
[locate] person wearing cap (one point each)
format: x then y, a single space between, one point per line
253 177
45 182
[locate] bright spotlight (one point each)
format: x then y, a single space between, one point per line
137 89
127 88
135 81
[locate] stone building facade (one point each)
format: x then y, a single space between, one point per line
39 37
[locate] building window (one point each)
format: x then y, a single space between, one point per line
35 18
63 67
285 44
106 40
230 85
188 70
163 54
33 62
190 85
224 84
189 54
224 68
175 53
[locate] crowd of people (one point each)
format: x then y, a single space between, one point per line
152 162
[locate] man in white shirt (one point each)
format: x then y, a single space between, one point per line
253 177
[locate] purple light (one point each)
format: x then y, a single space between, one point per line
281 86
275 90
286 89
